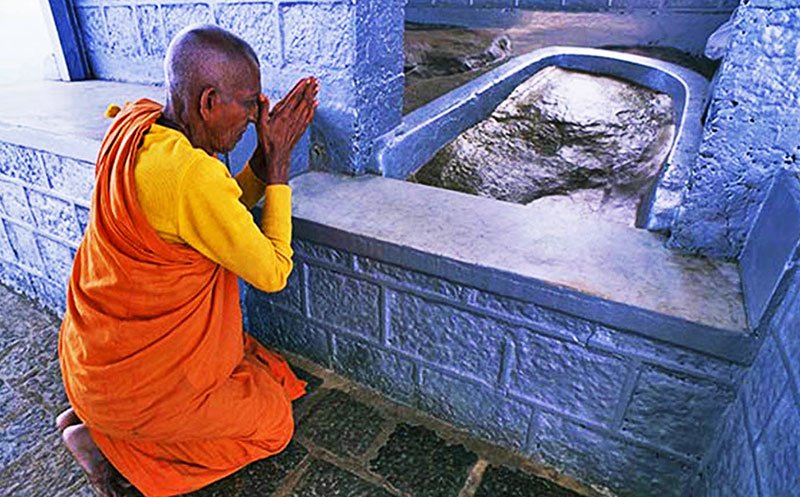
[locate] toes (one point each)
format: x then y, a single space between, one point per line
66 419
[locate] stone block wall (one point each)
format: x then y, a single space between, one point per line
354 47
604 405
751 131
698 6
44 207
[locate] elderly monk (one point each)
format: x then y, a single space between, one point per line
166 389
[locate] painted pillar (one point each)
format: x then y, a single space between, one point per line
752 130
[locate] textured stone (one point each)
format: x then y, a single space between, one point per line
284 330
69 176
151 30
14 277
568 377
506 482
93 27
789 336
57 259
468 342
290 297
595 458
345 302
255 22
52 295
47 389
24 243
177 17
24 357
24 433
560 132
322 479
731 469
321 253
375 368
124 33
6 251
429 53
318 35
538 317
483 412
664 354
55 216
416 461
82 215
14 202
778 451
763 385
412 279
23 164
676 411
341 424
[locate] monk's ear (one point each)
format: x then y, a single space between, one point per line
208 100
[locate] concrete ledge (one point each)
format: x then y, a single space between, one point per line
603 272
423 132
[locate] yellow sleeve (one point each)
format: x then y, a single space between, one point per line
212 220
252 187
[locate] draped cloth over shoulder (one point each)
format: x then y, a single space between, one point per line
152 351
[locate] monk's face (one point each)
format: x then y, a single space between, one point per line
235 106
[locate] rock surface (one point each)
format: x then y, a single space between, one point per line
561 132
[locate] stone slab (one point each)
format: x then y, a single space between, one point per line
341 424
417 461
506 482
323 479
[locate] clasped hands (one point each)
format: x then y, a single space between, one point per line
280 129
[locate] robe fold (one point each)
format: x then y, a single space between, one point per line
153 355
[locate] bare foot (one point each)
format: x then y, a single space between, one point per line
66 419
104 479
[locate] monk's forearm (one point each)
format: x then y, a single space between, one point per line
276 224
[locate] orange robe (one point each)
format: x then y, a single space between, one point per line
152 351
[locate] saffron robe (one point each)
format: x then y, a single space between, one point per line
153 355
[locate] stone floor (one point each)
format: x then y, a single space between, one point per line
349 442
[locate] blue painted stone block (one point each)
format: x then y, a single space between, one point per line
23 164
318 35
151 29
635 4
665 354
123 33
676 411
413 279
771 246
14 202
778 449
71 177
15 278
537 317
290 298
387 373
483 412
24 243
256 23
568 377
82 215
316 252
599 458
467 342
94 32
6 251
283 329
764 384
344 302
731 469
57 259
585 5
55 216
177 17
50 294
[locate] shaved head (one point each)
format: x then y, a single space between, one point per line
203 56
213 86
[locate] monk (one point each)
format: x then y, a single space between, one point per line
168 393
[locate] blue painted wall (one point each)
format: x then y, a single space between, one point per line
752 130
756 450
354 47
